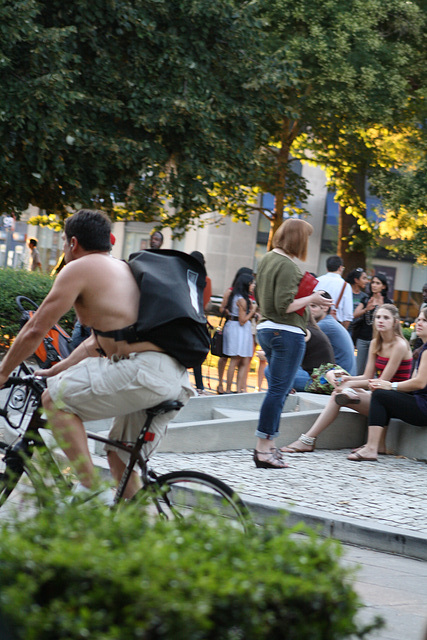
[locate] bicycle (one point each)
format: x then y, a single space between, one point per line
174 494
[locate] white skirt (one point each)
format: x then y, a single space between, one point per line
238 339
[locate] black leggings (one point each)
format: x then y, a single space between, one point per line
386 405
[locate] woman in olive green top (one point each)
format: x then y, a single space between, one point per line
281 330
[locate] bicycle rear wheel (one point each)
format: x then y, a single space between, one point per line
180 494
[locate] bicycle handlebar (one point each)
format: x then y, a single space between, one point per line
36 383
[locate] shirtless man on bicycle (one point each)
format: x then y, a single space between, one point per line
84 386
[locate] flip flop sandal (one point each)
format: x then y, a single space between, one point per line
343 399
295 450
357 457
380 453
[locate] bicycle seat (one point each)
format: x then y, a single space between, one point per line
165 407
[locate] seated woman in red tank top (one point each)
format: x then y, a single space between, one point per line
389 358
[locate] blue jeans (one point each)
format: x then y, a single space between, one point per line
362 347
284 351
301 379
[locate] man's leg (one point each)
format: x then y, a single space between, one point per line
117 467
70 434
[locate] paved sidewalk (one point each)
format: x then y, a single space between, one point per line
381 505
392 587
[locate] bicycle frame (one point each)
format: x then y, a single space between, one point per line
174 494
31 438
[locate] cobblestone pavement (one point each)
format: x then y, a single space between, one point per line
390 492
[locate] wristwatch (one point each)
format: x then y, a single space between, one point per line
394 386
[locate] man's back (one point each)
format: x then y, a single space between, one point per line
334 284
104 293
341 342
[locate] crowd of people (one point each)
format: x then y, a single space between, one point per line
348 329
338 333
297 324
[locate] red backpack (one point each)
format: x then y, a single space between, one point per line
55 346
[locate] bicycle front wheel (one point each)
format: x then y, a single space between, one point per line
182 493
11 470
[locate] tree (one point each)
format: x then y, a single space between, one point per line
350 65
146 103
402 187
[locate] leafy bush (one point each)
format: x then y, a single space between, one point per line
23 283
407 332
88 573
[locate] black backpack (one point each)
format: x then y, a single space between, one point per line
171 311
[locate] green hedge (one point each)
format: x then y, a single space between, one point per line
407 332
90 573
22 283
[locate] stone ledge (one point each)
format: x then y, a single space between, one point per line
219 423
407 440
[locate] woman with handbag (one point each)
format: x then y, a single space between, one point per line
282 328
222 362
390 358
238 342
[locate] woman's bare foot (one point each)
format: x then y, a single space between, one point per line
364 454
271 459
381 452
299 446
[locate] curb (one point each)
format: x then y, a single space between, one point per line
360 533
347 530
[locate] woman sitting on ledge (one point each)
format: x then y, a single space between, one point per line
389 359
405 400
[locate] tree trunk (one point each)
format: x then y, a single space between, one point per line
289 133
346 225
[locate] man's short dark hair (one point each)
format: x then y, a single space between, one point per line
91 228
327 295
333 263
33 241
154 231
199 256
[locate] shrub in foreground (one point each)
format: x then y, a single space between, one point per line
33 285
89 573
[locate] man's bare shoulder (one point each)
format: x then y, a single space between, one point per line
94 264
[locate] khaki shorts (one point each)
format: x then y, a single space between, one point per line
122 388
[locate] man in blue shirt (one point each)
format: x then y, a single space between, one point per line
339 337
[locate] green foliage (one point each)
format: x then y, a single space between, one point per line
33 285
119 101
196 104
407 332
90 573
403 191
351 64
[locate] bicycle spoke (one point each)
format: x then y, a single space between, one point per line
183 494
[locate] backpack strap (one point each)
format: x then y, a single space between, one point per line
341 295
127 334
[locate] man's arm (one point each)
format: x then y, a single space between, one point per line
59 300
86 349
347 306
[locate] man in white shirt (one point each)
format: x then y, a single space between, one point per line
339 289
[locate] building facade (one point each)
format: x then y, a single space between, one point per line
228 245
